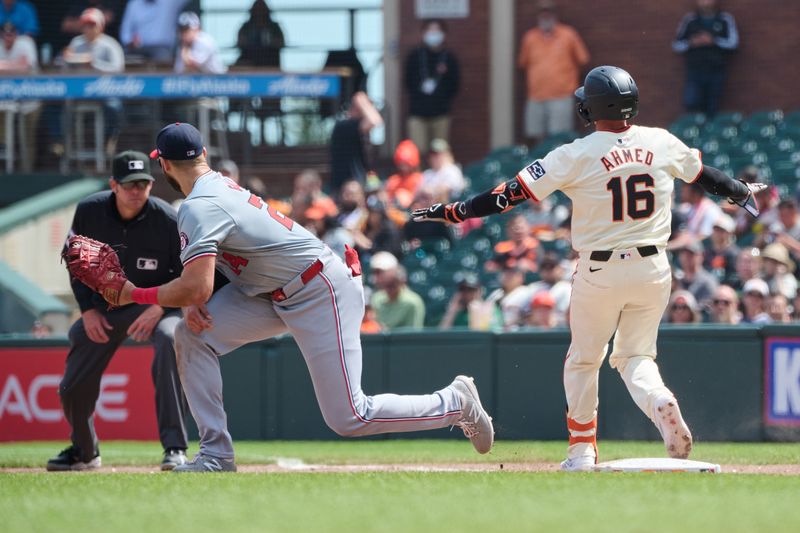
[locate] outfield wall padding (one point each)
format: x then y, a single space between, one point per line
717 373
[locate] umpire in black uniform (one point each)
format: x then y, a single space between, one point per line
144 232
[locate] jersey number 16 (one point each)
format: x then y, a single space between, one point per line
641 200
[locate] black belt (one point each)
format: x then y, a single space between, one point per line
605 255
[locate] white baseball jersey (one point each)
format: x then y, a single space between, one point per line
620 184
257 248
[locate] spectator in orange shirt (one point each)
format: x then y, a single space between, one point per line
307 194
520 250
552 55
402 187
369 324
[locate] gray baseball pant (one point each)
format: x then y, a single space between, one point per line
324 317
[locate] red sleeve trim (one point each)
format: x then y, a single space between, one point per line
526 189
701 167
198 256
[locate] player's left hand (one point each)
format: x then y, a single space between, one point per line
96 265
142 328
438 213
745 203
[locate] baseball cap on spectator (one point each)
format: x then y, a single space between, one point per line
692 247
756 285
131 166
439 146
543 299
407 153
725 223
383 261
778 252
468 280
94 16
682 297
178 142
687 299
188 21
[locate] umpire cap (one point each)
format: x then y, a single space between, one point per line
131 166
608 93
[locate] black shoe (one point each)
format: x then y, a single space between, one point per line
173 457
70 459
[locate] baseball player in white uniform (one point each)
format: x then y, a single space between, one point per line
282 279
620 181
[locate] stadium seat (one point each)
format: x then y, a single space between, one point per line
762 118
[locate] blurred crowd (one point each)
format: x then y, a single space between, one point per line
114 36
729 268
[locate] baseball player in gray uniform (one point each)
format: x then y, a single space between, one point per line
282 279
620 180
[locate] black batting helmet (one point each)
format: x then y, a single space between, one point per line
608 93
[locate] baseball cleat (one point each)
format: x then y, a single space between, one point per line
475 421
70 460
173 457
584 463
205 464
674 431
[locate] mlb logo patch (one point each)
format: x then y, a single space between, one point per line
135 165
147 263
535 170
190 153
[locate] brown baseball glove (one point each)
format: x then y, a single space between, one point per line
96 265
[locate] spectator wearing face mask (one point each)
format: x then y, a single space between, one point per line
552 55
432 81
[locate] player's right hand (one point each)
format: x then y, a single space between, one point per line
439 213
198 319
95 325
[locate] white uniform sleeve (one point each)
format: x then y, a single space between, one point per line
683 162
203 225
555 171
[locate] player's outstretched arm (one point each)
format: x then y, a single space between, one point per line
492 202
193 287
716 182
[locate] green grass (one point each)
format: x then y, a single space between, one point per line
484 502
35 454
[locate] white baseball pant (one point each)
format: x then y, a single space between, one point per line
625 295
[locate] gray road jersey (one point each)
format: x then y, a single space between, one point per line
256 247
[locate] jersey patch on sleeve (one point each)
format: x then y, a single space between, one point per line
535 170
184 240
